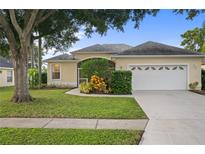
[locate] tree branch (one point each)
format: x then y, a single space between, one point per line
3 22
9 34
26 17
43 18
14 22
44 34
31 22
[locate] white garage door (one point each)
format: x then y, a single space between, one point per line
159 77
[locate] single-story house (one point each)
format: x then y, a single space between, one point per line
6 72
154 66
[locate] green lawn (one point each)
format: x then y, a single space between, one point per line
39 136
55 103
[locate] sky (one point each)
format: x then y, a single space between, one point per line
166 28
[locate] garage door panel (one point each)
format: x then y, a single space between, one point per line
159 77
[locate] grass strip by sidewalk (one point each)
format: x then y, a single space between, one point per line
47 136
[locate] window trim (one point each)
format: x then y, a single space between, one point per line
9 76
51 70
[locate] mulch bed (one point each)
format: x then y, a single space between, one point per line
201 92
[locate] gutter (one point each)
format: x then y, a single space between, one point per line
100 52
71 61
8 68
156 56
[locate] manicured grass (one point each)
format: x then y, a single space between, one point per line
39 136
55 103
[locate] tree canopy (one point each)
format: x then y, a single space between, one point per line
194 40
58 27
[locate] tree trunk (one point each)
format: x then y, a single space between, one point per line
21 93
39 62
32 57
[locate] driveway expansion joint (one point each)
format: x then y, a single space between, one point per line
96 124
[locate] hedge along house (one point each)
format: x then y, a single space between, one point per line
6 73
154 66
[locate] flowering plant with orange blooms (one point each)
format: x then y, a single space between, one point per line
98 84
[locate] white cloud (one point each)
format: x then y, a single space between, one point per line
80 34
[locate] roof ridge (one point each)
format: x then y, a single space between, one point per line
156 48
105 47
167 45
64 56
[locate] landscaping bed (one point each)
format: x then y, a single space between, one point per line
55 103
44 136
201 92
118 84
102 78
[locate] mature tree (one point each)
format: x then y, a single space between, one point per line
194 40
18 29
191 13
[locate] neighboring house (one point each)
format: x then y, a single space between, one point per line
203 64
154 66
6 72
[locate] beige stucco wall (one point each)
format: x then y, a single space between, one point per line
68 72
194 65
69 69
203 66
3 77
82 56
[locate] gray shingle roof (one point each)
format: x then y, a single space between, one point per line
154 48
112 48
61 57
5 62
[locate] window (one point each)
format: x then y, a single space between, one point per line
55 71
9 76
133 68
139 68
147 68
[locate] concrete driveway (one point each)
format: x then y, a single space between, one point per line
176 117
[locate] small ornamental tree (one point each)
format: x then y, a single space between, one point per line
33 77
97 66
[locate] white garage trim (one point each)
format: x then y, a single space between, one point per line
166 64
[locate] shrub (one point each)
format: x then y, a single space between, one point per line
98 84
86 87
193 85
203 79
44 77
33 77
98 66
121 82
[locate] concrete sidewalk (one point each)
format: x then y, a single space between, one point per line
138 124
